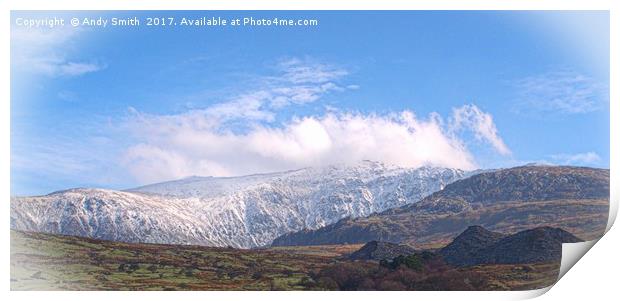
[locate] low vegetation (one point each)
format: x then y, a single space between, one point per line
53 262
428 272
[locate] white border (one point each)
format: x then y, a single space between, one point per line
6 6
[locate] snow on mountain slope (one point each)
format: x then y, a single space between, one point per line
243 212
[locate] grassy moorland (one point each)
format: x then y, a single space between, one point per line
53 262
42 261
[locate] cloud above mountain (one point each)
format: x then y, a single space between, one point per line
240 136
174 149
470 117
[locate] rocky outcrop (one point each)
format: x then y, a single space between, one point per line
380 250
465 248
479 246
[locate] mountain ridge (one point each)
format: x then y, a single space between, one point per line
510 200
243 212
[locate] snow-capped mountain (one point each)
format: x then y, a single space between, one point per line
244 212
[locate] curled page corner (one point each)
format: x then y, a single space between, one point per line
534 293
572 252
613 209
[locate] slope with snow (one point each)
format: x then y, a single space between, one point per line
242 212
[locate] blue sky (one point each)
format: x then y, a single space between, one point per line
117 107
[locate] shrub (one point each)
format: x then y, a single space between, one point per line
420 271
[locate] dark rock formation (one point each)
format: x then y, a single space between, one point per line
380 250
466 247
479 246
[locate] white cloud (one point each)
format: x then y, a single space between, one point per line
175 146
480 123
45 51
239 136
296 82
74 69
300 71
579 158
559 92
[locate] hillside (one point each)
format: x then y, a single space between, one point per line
243 212
508 200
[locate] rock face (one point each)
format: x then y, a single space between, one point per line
379 250
242 212
507 200
480 246
465 248
543 244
